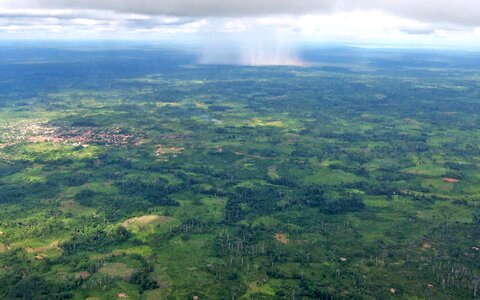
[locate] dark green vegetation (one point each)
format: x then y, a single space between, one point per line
139 173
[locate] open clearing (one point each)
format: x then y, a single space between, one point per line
115 269
282 238
141 222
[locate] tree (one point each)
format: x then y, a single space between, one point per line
476 216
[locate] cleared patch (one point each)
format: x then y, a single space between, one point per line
140 250
83 275
120 270
273 172
450 180
140 222
52 246
69 205
251 156
162 150
256 288
140 142
426 246
282 238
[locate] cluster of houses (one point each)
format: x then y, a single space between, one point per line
24 130
37 132
85 136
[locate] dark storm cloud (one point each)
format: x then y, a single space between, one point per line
461 12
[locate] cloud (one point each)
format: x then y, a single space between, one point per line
419 31
460 12
394 22
70 22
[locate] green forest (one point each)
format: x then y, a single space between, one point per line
139 174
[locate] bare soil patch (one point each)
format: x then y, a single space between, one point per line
426 246
144 220
282 238
450 180
83 274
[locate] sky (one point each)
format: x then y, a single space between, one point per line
414 23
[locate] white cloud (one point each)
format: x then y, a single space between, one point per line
463 12
422 22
